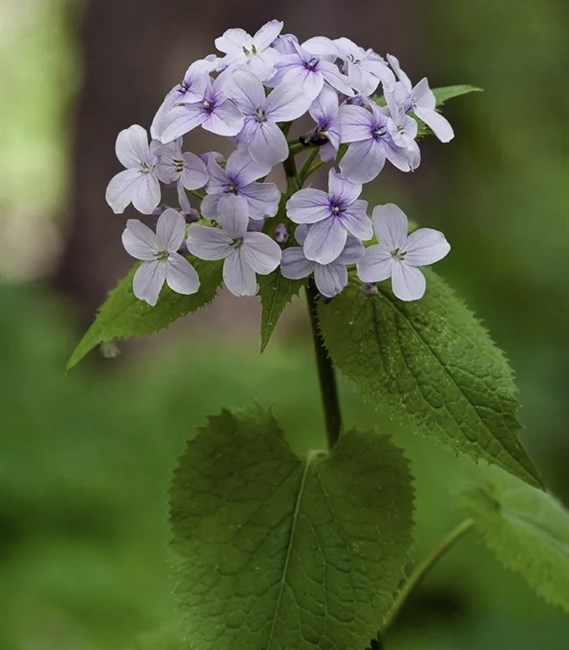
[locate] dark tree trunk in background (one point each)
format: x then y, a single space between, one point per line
133 51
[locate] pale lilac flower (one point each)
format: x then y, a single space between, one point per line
214 113
187 170
374 138
397 254
260 135
245 253
161 261
237 179
308 72
255 52
334 214
364 69
330 278
420 99
325 111
190 90
138 183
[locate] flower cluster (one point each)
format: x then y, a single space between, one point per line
359 110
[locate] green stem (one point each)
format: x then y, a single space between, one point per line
305 169
198 195
326 374
424 567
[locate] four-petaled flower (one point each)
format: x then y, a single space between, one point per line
237 179
244 253
255 52
260 135
334 214
397 254
138 183
214 112
374 138
187 170
308 72
161 261
420 99
330 278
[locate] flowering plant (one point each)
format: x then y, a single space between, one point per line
274 550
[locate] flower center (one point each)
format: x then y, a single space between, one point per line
311 65
161 256
145 168
379 132
232 188
207 105
398 255
251 52
238 243
336 209
178 165
260 115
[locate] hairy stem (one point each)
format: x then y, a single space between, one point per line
326 374
305 169
424 567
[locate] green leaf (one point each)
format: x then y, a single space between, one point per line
527 530
276 292
449 92
431 365
275 551
123 315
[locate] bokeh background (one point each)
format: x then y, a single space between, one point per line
86 458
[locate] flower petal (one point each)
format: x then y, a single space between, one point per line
267 34
233 40
325 241
170 231
242 169
363 161
341 190
408 282
268 145
181 275
335 78
209 206
325 107
353 251
375 265
195 173
390 224
132 146
260 252
355 221
146 193
139 241
263 199
121 189
294 264
180 120
423 95
438 124
233 215
356 123
425 246
238 276
148 281
285 103
224 120
308 206
330 279
245 89
209 243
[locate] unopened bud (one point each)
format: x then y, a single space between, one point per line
281 234
368 289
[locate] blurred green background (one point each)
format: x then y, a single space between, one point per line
86 458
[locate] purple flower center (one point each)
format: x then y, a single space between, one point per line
208 105
232 188
336 209
312 64
379 132
260 115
